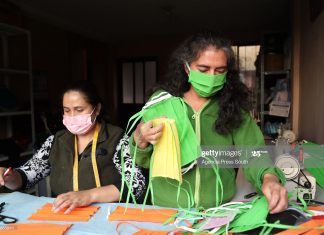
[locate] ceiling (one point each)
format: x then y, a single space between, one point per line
108 20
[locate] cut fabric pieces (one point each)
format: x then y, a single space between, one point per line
136 214
235 217
166 152
240 217
258 212
214 222
78 214
34 229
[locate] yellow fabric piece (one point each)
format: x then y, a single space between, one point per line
166 152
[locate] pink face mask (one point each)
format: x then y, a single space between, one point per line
79 124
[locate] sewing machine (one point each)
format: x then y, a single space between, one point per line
291 161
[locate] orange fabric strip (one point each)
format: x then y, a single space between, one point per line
316 208
315 232
136 214
49 212
78 214
86 208
150 232
59 217
309 226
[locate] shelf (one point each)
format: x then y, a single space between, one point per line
268 113
16 77
14 71
10 30
278 72
15 113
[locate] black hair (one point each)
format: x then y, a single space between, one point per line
89 92
232 99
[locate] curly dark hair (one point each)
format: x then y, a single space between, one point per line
233 99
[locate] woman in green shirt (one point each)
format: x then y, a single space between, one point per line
204 74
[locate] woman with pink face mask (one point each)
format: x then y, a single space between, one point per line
83 161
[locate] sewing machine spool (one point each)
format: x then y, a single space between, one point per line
289 166
289 135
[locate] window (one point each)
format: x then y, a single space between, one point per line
247 57
138 76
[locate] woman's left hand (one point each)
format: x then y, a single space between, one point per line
275 193
71 200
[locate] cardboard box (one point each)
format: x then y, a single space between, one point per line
280 109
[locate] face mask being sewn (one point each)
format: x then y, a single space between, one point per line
79 124
206 85
166 153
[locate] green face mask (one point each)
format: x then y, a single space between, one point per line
206 85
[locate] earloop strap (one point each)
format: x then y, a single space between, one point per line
188 67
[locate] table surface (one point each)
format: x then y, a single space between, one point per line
21 206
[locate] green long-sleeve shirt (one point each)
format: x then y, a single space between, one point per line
201 182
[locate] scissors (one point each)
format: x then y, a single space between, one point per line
6 219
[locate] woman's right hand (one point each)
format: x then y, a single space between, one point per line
12 181
145 133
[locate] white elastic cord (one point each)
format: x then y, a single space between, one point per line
178 220
191 166
157 99
215 209
159 95
188 67
188 229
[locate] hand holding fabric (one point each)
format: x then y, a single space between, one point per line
275 193
145 133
